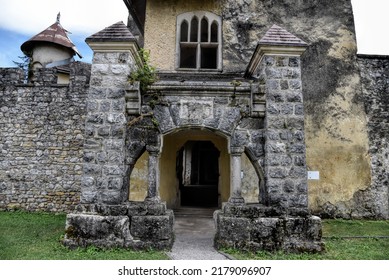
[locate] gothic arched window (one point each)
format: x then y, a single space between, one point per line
199 41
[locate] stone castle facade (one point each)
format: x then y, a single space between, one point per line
251 96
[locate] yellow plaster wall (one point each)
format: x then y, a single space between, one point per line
138 179
160 27
339 149
250 181
63 79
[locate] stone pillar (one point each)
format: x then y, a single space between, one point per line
235 176
284 222
279 74
153 177
285 164
105 179
105 217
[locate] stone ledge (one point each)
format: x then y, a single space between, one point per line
128 209
253 211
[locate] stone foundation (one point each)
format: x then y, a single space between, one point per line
133 225
256 227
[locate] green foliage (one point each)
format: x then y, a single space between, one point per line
145 75
25 65
236 83
37 236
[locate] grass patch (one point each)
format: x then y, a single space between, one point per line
37 236
337 247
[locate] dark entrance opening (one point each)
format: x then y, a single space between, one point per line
198 174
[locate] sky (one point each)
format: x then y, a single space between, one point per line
22 19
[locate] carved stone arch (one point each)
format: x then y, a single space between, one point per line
134 151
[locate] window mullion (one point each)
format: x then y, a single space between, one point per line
198 58
189 30
209 31
200 51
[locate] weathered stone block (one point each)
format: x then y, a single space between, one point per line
101 231
230 119
95 118
251 211
240 138
113 196
92 169
233 229
116 93
163 117
290 234
111 210
116 118
267 233
152 228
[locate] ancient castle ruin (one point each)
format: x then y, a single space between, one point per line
262 110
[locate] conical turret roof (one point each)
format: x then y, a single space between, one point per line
278 36
117 32
55 34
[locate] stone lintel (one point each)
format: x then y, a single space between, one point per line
203 88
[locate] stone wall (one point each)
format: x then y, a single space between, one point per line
375 82
11 76
41 140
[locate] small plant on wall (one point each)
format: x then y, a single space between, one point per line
146 75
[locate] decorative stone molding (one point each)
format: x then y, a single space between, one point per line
133 99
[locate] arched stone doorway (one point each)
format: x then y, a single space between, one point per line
194 169
213 156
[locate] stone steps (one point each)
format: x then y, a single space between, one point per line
194 212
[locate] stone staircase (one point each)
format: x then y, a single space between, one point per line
194 212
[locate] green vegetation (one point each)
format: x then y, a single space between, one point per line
338 246
37 236
145 75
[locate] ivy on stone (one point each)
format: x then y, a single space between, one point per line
146 75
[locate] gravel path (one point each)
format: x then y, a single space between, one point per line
194 240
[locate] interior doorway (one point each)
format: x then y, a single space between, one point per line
198 174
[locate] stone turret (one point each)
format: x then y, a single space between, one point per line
50 48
